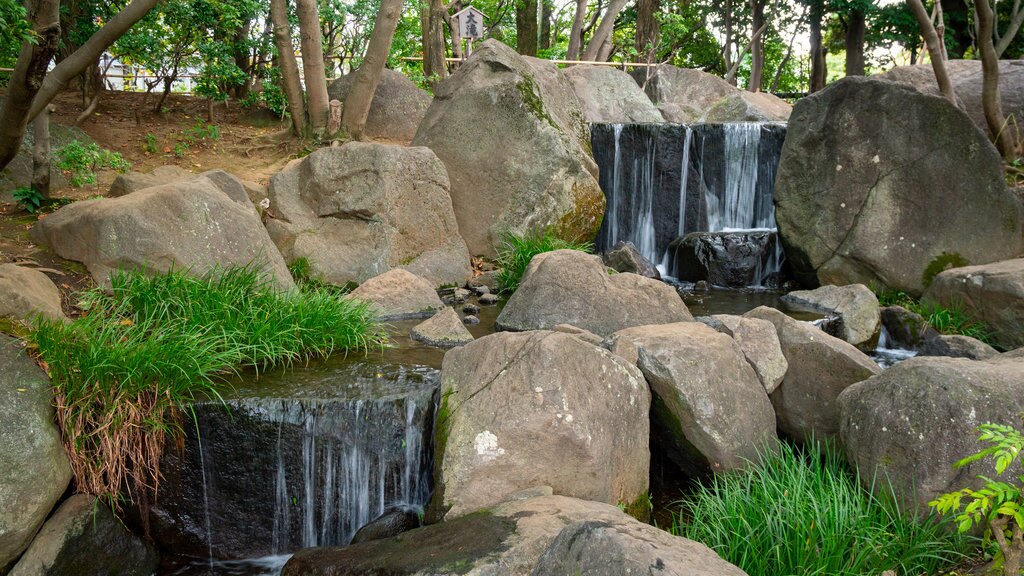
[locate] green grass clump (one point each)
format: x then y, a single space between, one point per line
152 344
516 251
954 320
804 513
81 161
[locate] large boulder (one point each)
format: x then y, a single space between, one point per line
133 181
359 210
878 184
571 287
855 305
610 96
519 410
18 172
730 259
397 108
35 470
989 293
398 295
760 345
511 133
912 422
190 225
820 368
687 95
538 534
966 78
701 383
744 106
25 293
84 537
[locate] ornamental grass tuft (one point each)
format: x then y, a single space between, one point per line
516 251
150 345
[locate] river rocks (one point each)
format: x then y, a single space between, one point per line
571 287
610 95
957 346
190 226
912 422
820 367
444 330
872 188
518 410
84 537
25 293
744 106
540 535
624 257
131 181
35 470
989 293
729 259
760 345
906 329
397 108
359 210
855 304
701 384
391 523
399 294
512 135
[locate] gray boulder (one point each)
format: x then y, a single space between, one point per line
682 94
399 294
759 343
731 259
624 257
855 304
18 172
906 329
820 367
84 537
25 293
957 346
132 181
990 293
529 534
359 210
744 106
518 410
610 96
511 133
397 108
189 225
571 287
910 423
701 383
444 330
391 523
35 470
872 188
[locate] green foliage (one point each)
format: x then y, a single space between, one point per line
954 320
150 143
14 30
516 251
201 132
28 199
941 263
152 344
82 161
999 506
804 513
302 273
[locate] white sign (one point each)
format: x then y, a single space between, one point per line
471 23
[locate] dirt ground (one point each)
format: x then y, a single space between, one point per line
129 124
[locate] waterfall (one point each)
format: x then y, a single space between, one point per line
663 181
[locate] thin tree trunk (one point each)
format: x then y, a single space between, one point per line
648 29
241 55
931 40
1016 19
727 44
730 76
990 100
436 51
357 104
27 79
756 46
545 24
819 66
576 32
789 54
940 28
526 27
855 28
41 153
288 65
314 74
604 30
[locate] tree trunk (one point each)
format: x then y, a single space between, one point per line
526 27
545 24
437 67
1016 19
855 27
312 46
1004 135
357 104
727 44
604 30
41 153
756 46
288 65
576 32
647 29
931 40
819 69
241 55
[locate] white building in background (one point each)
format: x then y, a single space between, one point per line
122 77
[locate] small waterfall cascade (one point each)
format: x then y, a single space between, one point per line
664 181
307 468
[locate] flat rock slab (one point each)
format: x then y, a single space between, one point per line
443 330
855 304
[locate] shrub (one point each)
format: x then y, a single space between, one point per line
804 513
516 251
151 345
28 199
953 320
82 161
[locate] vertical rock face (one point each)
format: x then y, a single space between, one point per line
511 133
538 408
610 95
34 470
991 293
878 183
